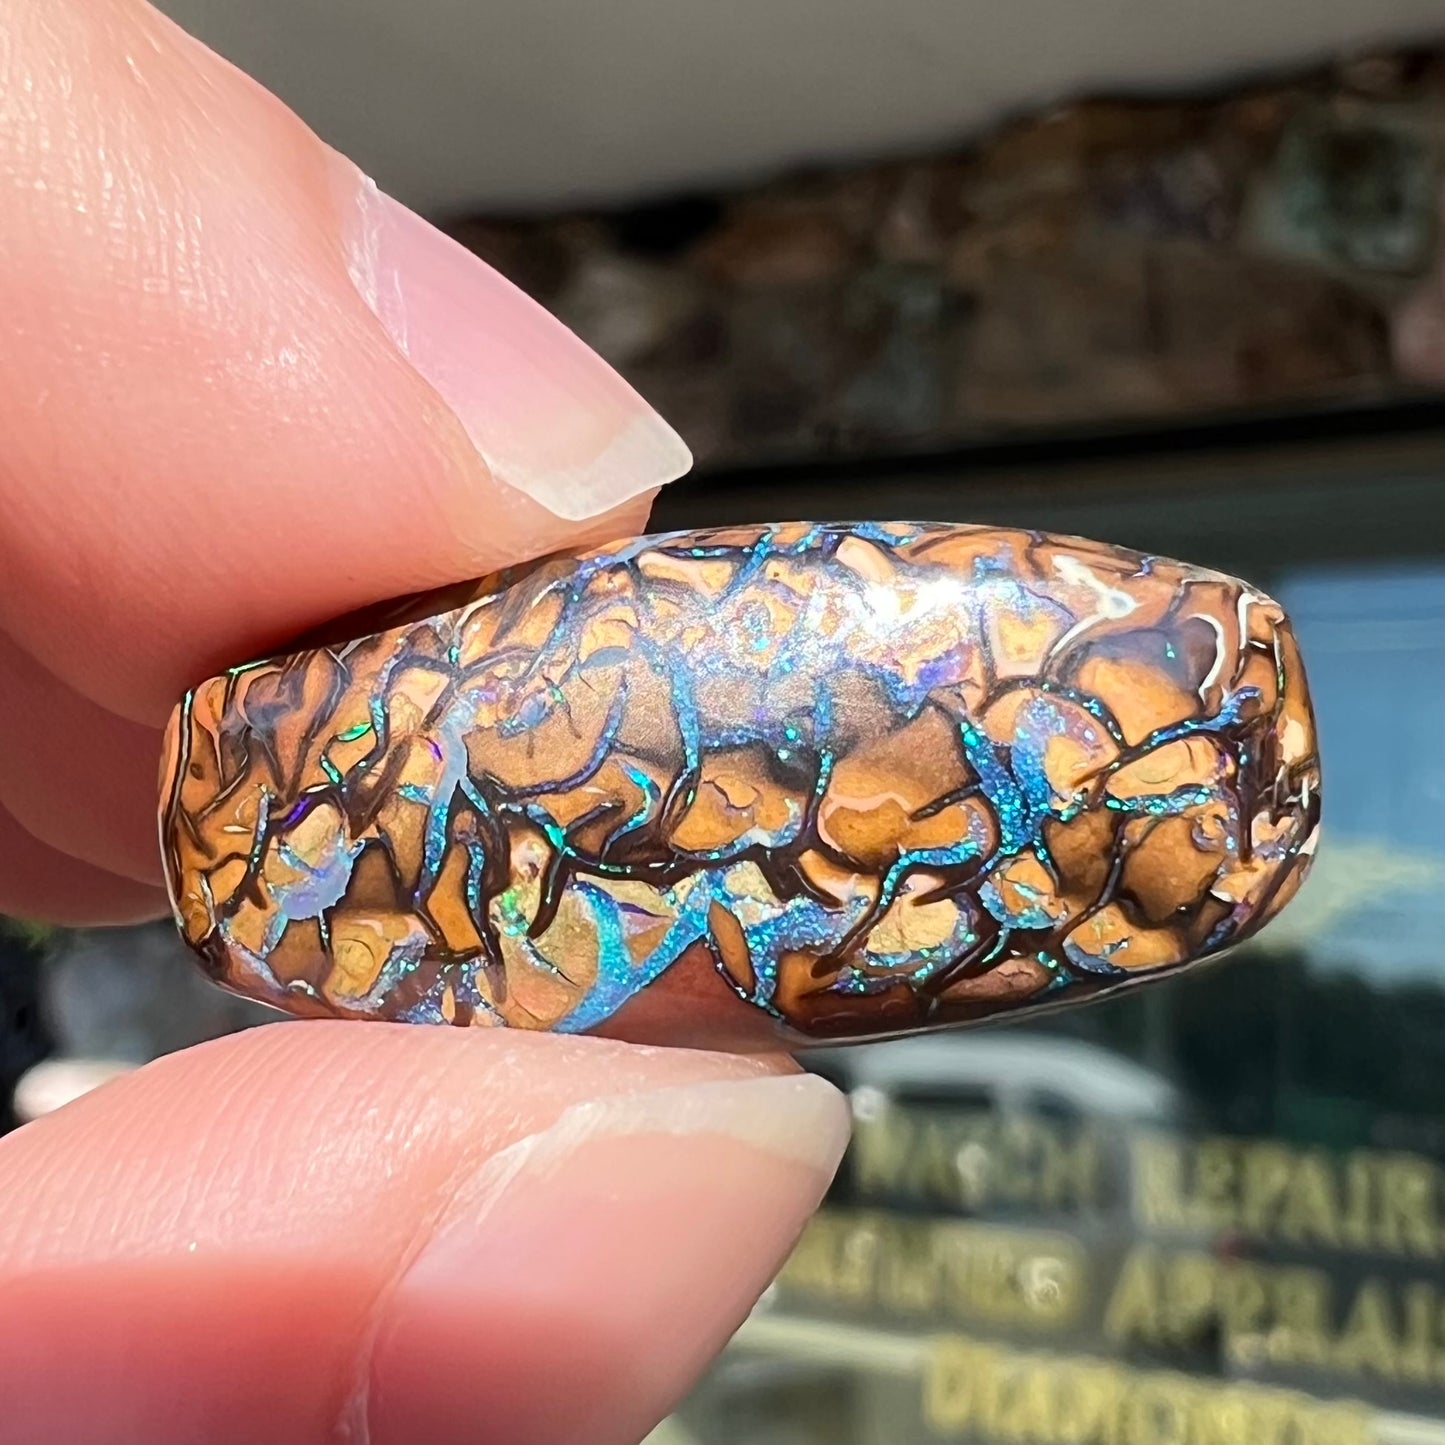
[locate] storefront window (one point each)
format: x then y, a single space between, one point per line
1211 1211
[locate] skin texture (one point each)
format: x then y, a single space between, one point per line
223 1245
188 357
460 1273
779 784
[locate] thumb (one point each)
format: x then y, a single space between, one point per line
300 391
242 393
329 1231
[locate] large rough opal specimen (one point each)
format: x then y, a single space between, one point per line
752 787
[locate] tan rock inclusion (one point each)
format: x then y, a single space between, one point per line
752 785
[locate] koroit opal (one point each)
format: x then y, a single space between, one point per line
752 787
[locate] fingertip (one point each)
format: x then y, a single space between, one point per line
595 1268
454 1215
325 405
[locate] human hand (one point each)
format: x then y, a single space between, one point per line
242 393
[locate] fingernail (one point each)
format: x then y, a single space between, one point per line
548 415
596 1267
53 1083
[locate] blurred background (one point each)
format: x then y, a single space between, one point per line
1167 276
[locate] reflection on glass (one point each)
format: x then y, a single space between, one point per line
1376 647
1210 1212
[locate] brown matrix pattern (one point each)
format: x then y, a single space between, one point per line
753 785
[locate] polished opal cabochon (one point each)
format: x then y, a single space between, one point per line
752 787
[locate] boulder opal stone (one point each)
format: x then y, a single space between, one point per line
752 788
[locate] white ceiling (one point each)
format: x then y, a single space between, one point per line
460 104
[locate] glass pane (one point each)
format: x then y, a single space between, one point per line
1211 1211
